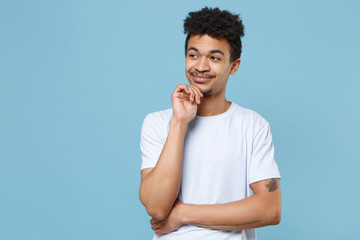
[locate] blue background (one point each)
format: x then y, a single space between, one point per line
77 79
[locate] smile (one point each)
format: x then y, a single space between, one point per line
201 78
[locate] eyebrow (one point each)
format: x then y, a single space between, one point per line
217 51
212 51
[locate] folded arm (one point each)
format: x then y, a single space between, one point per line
261 209
160 185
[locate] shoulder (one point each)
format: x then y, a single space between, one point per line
159 116
250 119
157 122
248 115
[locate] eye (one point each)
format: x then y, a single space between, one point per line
192 55
215 58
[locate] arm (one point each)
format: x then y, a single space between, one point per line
259 210
160 185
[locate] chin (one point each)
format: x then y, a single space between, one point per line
204 91
207 92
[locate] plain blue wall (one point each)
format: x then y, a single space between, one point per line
78 77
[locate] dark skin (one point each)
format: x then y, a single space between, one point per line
261 209
208 68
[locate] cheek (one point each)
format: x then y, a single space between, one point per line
187 69
188 66
218 70
223 71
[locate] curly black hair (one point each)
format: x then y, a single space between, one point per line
218 24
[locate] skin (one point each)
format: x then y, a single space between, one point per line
207 57
207 68
261 209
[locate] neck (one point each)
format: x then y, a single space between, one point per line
211 106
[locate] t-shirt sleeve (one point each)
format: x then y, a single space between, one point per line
262 163
152 140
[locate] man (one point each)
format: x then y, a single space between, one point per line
202 158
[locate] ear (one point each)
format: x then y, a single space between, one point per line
235 66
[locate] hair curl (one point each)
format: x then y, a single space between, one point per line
218 24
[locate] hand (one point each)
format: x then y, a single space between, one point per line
171 223
185 99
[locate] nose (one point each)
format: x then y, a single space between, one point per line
202 65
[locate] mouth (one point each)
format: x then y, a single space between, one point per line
201 78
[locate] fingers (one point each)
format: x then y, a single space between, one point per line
192 94
188 92
197 90
180 90
184 95
198 93
155 224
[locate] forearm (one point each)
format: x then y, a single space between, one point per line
252 212
160 187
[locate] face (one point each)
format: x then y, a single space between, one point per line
208 64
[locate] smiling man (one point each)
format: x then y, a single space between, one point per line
208 169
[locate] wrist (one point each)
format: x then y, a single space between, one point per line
178 123
184 214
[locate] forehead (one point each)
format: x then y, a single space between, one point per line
206 44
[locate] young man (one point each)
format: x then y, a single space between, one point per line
202 158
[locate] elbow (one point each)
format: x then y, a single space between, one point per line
153 211
158 214
275 218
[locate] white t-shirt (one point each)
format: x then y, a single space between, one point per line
223 155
